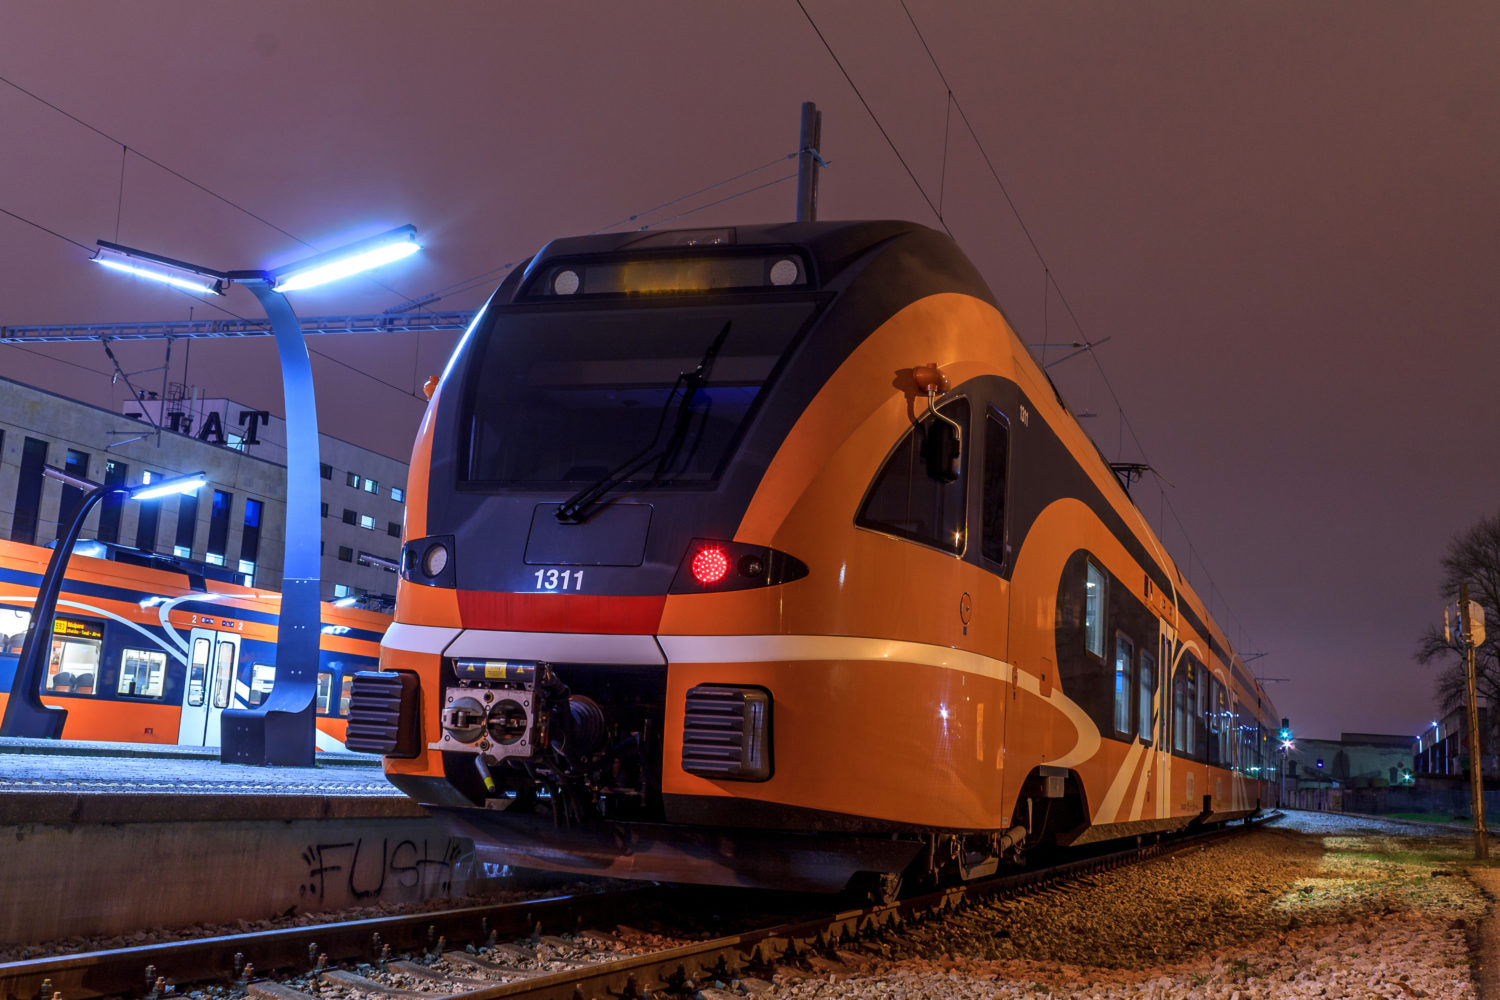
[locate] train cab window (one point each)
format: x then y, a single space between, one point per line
224 674
142 673
197 674
1145 694
262 678
904 500
1124 654
1093 611
996 466
75 656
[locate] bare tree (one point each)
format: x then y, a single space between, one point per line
1473 557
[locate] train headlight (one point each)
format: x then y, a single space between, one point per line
428 561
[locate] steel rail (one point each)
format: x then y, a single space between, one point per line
125 971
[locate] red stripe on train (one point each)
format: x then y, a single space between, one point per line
613 615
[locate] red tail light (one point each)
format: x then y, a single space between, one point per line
713 564
710 565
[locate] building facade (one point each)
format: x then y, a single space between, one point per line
236 521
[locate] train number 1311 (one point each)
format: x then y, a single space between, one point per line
559 579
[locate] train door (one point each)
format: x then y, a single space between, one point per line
1167 665
213 658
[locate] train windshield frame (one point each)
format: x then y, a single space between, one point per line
563 394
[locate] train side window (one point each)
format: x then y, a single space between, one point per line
197 680
996 467
262 679
75 657
345 689
1093 611
325 692
1145 694
1215 746
905 501
142 672
1124 650
1200 715
1179 700
224 675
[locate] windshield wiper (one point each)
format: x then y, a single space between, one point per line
577 508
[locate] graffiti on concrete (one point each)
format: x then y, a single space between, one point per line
367 869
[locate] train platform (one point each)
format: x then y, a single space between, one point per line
82 781
103 838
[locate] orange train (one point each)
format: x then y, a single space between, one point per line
767 555
150 649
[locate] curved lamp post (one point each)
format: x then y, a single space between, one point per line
281 730
25 715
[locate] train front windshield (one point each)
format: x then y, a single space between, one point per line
566 396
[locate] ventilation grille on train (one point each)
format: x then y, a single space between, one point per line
727 733
383 714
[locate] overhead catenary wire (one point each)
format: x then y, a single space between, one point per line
874 118
1049 283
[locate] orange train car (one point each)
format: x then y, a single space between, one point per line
150 649
767 555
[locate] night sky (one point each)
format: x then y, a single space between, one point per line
1283 216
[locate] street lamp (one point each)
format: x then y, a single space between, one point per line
25 715
281 729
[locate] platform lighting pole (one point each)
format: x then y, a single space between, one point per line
25 714
282 729
1471 624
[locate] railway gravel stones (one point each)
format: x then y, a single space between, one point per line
1314 906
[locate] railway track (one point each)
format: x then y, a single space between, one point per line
541 948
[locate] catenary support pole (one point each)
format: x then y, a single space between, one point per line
808 160
1476 777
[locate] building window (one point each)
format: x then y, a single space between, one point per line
393 528
29 491
346 554
352 479
113 503
325 508
1093 611
187 525
340 590
250 540
398 494
142 673
77 464
372 486
1124 653
350 517
218 526
325 470
147 514
367 521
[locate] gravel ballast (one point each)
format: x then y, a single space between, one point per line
1310 905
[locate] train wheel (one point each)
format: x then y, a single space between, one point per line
875 888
